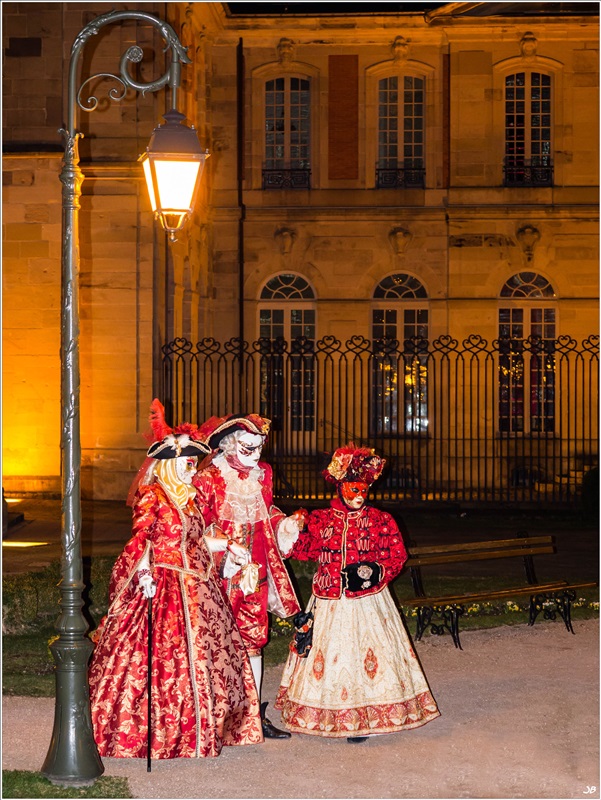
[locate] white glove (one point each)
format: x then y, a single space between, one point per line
237 556
145 580
238 553
216 544
146 583
288 532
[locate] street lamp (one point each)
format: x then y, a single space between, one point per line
173 165
72 757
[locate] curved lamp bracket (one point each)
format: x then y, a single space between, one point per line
133 55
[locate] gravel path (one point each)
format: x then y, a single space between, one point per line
520 719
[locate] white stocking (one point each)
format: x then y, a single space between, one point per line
256 663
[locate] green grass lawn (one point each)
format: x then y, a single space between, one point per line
21 783
28 667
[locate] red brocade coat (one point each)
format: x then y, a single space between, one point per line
203 690
337 536
211 498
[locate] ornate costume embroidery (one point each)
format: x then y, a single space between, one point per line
370 663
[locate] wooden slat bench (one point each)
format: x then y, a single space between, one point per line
553 598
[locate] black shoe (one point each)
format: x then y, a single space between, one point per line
269 730
356 739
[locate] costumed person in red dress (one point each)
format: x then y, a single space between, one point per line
235 495
361 676
203 691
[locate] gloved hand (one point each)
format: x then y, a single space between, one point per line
146 583
301 515
289 530
238 553
236 557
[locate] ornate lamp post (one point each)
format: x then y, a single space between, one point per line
72 757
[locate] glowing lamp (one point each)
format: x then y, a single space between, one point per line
173 165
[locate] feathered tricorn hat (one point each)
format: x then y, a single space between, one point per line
352 463
215 428
183 440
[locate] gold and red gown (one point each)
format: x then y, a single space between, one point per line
362 675
203 690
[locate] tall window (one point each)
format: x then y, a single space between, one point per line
401 132
287 315
287 133
527 336
400 348
528 129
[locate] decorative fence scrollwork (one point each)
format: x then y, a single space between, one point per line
513 420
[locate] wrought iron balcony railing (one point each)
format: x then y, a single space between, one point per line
288 178
400 177
528 172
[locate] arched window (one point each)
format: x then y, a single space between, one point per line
286 286
527 334
287 316
400 342
287 133
401 132
527 284
400 285
528 128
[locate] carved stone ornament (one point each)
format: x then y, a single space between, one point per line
528 237
528 45
285 237
400 49
481 240
399 239
285 50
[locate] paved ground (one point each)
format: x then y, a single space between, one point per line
519 719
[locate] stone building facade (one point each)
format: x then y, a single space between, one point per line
428 172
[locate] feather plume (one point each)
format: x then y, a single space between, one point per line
188 428
160 429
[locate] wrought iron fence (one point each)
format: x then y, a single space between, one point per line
512 420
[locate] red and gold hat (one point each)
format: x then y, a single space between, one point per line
215 428
183 440
352 463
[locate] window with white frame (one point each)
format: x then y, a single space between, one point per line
401 131
527 336
528 128
287 329
287 132
399 391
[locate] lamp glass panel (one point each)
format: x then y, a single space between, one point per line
176 181
148 175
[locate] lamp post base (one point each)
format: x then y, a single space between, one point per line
72 758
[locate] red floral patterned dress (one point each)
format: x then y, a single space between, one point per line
361 676
203 691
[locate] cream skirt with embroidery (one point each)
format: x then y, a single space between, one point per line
361 676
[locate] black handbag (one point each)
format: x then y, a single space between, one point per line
303 632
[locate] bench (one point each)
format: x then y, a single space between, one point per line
551 598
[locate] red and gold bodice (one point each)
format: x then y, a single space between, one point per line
337 536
